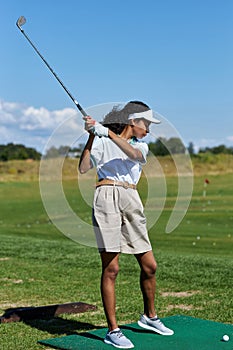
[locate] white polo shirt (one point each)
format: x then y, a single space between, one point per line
112 163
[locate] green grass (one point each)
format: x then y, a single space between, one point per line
40 266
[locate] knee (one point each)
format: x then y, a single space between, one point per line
150 269
153 268
111 271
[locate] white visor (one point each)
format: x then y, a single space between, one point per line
148 115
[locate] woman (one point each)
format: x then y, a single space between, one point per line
118 218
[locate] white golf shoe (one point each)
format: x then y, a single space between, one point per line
154 324
118 339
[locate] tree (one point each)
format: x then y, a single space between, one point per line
52 152
190 148
18 151
158 147
175 145
217 150
164 147
63 151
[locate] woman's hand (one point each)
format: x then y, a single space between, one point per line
89 123
92 126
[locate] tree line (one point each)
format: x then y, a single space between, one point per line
18 151
174 145
161 147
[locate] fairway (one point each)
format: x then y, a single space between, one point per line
40 266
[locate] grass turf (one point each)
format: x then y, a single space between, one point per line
39 266
189 334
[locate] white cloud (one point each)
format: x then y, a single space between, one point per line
43 119
3 134
38 127
6 115
33 126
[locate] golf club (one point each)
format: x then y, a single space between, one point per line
20 22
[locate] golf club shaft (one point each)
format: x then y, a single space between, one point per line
55 75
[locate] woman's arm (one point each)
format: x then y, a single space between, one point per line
94 127
85 159
133 153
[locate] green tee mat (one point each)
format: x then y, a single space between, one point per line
190 334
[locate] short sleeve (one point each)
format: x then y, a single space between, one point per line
96 151
143 147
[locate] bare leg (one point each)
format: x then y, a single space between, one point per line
147 281
110 268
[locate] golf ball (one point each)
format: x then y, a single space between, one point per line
225 337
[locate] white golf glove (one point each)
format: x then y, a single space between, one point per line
99 130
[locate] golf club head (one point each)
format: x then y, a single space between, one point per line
21 21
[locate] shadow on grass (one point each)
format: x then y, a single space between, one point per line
45 318
60 326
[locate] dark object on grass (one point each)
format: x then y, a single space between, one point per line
44 312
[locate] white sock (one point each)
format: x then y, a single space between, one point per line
114 330
154 318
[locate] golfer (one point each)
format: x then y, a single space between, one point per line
115 149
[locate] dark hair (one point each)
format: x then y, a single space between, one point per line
117 119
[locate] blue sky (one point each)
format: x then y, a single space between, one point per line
175 55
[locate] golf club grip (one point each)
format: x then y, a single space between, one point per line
80 109
55 75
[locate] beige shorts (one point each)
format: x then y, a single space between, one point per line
119 221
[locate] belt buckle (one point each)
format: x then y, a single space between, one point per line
126 185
